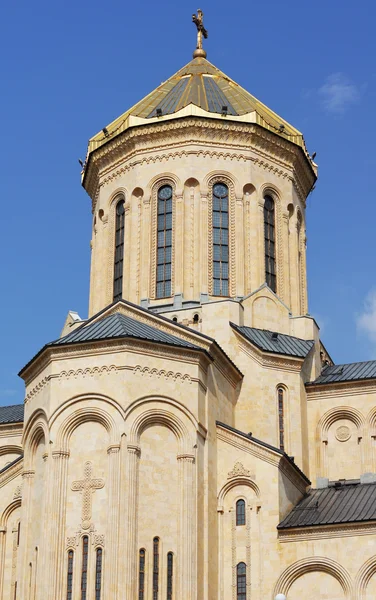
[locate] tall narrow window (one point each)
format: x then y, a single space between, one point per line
281 420
85 549
240 512
241 582
70 575
119 251
220 240
269 233
98 574
170 567
141 575
155 568
164 242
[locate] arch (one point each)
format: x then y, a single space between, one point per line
213 176
11 449
371 420
83 415
269 189
145 417
63 406
234 482
191 182
248 189
309 565
365 573
337 413
35 430
121 193
4 517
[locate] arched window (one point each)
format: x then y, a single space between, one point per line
119 251
240 512
220 240
281 420
241 581
164 242
98 574
170 566
141 575
155 568
269 234
70 575
85 550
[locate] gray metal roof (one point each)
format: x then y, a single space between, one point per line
348 372
11 414
16 460
277 343
348 503
121 326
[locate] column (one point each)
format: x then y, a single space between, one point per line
177 275
112 537
145 249
303 275
41 592
247 244
134 454
27 487
239 247
127 250
286 255
187 528
58 483
2 558
293 254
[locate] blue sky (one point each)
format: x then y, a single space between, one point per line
67 69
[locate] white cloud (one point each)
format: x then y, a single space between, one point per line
366 320
338 93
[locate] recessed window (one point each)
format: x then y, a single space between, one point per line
141 575
195 318
164 242
85 550
170 573
241 581
119 251
70 575
98 573
220 240
281 419
240 512
155 568
269 234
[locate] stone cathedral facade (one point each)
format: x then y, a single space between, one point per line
192 439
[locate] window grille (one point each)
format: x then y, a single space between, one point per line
281 420
141 575
241 582
119 251
155 568
220 240
98 574
164 242
269 233
170 566
240 512
85 550
70 575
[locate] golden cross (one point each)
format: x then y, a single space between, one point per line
198 20
87 486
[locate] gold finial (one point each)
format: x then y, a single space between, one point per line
198 20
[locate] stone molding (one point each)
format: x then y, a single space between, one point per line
11 473
339 389
288 364
318 532
162 374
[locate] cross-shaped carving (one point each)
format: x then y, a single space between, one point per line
87 486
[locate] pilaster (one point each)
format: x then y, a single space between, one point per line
130 587
205 239
187 526
56 544
27 486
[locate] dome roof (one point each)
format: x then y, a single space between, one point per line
199 84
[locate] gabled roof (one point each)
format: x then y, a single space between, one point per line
202 84
121 326
347 372
348 503
12 414
277 343
250 437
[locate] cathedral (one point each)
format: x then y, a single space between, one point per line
192 439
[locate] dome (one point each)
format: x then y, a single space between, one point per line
199 89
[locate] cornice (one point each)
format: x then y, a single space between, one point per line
248 445
344 388
291 474
156 137
319 532
11 430
11 473
269 361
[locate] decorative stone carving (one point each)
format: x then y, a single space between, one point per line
17 493
238 470
146 372
343 433
87 486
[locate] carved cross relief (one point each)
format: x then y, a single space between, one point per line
87 487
